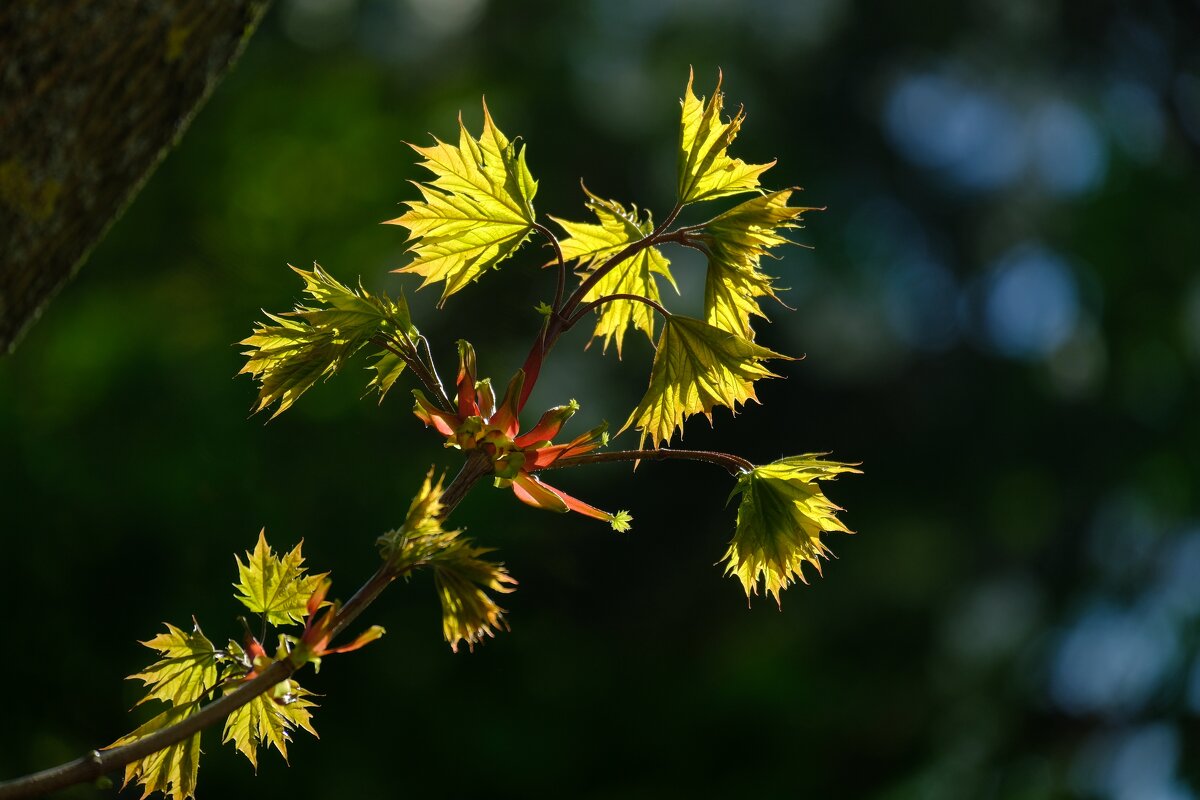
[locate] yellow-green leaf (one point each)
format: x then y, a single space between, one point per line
270 718
387 368
476 211
731 295
462 575
592 245
696 368
405 547
736 240
705 169
310 343
186 671
172 770
780 519
274 586
463 581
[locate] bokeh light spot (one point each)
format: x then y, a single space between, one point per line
1031 303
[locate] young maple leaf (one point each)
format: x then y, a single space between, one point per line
309 343
463 581
387 367
591 245
462 575
477 210
273 586
269 718
187 670
735 241
706 172
696 368
780 519
172 770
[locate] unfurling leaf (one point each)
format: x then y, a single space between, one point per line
735 241
696 368
270 718
187 670
463 577
309 343
273 586
172 770
780 519
477 210
592 245
387 368
705 170
402 547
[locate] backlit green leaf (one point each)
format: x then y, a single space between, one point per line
735 241
731 296
705 170
476 212
463 581
591 245
310 343
462 575
172 770
187 670
273 586
270 718
696 368
780 519
387 368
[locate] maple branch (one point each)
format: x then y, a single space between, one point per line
561 289
736 465
608 298
99 762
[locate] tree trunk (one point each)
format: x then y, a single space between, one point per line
92 95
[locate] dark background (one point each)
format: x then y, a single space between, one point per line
1001 317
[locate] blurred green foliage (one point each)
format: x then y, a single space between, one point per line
1001 318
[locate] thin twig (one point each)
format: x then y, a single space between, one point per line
437 379
608 298
736 465
561 289
431 383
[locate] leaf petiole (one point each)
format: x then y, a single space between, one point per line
561 290
583 310
735 465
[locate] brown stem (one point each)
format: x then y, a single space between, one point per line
608 298
433 375
561 289
473 469
98 762
734 464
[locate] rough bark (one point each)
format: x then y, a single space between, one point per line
93 93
